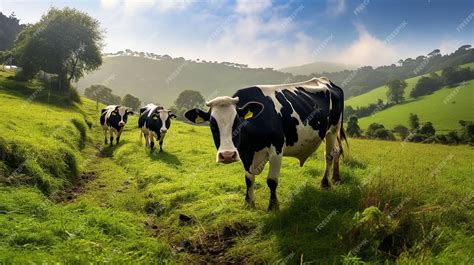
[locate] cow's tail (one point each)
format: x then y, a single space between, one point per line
341 136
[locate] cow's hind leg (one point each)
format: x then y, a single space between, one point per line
161 146
249 182
111 136
336 177
329 156
272 181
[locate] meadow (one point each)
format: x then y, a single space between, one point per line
78 201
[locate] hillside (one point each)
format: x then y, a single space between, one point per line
160 78
381 92
444 116
444 108
127 205
318 67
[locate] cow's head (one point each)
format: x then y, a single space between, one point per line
226 121
119 116
161 120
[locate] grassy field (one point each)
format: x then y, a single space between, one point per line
444 108
381 92
398 202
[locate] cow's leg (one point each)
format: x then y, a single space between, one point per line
161 145
152 142
146 138
111 136
336 177
249 182
329 155
105 136
119 132
272 181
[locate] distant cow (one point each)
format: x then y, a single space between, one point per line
261 124
113 120
154 122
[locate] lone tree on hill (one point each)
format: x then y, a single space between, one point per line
131 101
353 128
66 42
395 90
414 121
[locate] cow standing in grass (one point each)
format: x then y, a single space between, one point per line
262 124
113 120
154 122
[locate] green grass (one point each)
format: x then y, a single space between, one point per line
130 212
381 92
444 108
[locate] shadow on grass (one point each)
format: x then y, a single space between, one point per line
165 157
314 222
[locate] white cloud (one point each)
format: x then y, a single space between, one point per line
449 46
252 6
335 7
108 3
368 50
135 6
176 5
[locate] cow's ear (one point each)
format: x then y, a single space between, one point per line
250 110
172 115
197 116
130 112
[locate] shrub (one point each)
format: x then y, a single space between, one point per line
378 131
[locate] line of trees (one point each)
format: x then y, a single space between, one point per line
450 76
418 133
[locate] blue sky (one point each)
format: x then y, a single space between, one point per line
265 33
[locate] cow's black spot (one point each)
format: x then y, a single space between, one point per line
288 123
215 132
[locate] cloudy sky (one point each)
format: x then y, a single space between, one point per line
266 33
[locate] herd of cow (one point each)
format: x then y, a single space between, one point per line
256 125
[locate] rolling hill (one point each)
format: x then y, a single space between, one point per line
444 116
318 67
123 204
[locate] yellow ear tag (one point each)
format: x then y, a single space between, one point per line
113 114
248 115
199 119
155 118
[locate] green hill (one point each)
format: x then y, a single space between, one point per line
123 204
381 92
444 108
318 67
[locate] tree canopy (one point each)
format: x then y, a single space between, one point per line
9 28
102 94
189 99
66 42
131 102
395 90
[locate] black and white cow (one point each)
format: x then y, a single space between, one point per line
261 124
154 122
113 120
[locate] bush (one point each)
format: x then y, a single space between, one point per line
426 85
402 131
378 131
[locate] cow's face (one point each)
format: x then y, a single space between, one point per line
226 121
119 116
162 119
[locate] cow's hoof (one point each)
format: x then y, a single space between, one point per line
273 206
325 184
249 204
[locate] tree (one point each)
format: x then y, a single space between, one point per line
402 131
102 94
131 102
427 129
66 42
353 129
395 90
189 99
9 28
426 85
414 121
378 131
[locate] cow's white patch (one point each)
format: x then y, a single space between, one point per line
223 110
164 115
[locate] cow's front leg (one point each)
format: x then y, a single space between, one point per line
105 136
151 141
249 182
119 132
329 155
161 145
272 181
111 136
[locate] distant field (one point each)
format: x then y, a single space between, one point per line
444 116
381 92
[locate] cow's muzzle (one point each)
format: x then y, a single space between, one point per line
227 157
